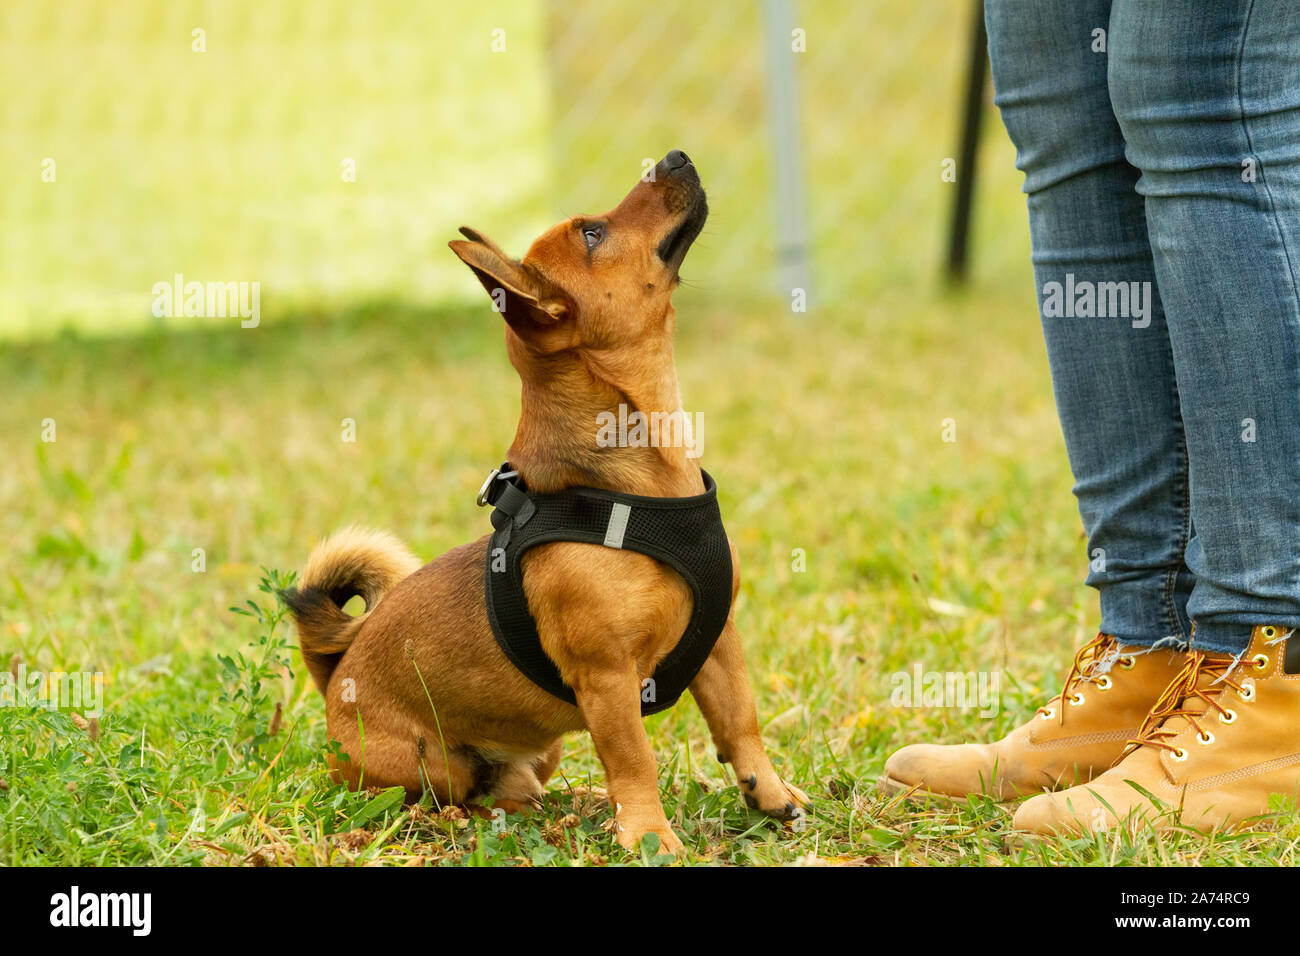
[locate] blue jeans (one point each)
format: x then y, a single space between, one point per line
1162 166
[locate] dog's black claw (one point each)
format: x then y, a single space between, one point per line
752 781
789 812
751 802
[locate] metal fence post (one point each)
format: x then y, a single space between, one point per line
970 134
787 169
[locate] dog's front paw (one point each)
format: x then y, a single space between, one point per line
629 828
770 794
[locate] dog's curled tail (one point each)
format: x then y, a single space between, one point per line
355 561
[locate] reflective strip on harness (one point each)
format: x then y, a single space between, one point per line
617 526
684 533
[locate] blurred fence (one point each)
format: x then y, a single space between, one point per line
328 149
877 90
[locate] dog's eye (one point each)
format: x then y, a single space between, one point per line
592 234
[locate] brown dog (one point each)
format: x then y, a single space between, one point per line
417 690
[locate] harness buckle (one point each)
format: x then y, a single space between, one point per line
487 493
484 493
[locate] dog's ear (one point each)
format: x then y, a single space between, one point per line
540 315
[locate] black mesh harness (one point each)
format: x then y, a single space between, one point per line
684 533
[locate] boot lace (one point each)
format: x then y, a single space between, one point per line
1194 695
1092 663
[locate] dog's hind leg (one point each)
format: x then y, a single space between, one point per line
518 788
544 765
415 762
510 782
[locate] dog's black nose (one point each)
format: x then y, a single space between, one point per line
676 159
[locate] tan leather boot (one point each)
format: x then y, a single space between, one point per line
1077 734
1222 738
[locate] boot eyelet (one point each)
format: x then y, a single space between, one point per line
1076 700
1206 738
1179 755
1127 662
1269 631
1104 682
1247 692
1047 714
1228 718
1260 661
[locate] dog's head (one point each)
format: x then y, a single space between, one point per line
597 282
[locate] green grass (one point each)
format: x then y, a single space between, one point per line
821 440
